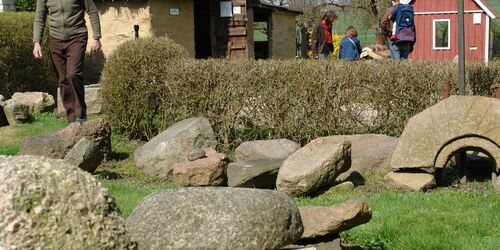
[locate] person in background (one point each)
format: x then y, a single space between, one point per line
350 49
405 36
386 26
67 43
322 41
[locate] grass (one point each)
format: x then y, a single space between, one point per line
466 218
11 136
446 218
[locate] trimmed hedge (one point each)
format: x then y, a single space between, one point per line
19 71
244 100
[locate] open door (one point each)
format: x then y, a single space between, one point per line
261 32
202 29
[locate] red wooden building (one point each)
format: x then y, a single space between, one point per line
436 22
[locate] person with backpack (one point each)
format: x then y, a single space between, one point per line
350 49
404 37
67 43
322 40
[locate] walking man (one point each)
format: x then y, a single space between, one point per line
322 41
67 44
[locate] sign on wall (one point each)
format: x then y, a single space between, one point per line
226 9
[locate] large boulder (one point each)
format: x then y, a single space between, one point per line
254 173
320 222
49 204
215 218
37 102
265 149
173 145
416 180
208 171
16 113
58 145
370 154
314 166
93 99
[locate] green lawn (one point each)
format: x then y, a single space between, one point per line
447 218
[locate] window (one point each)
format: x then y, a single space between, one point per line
441 34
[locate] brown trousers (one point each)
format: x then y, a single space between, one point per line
68 59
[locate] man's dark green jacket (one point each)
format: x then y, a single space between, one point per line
66 18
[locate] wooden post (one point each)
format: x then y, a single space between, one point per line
461 160
445 91
136 30
304 43
461 47
496 89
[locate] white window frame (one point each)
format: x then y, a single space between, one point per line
434 34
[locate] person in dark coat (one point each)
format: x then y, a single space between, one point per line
350 49
322 41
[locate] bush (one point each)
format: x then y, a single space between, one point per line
25 5
481 78
19 69
248 99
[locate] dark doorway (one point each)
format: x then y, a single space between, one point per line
262 33
202 34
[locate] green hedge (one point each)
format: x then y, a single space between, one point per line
247 99
19 71
25 5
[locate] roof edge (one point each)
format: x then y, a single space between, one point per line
276 7
487 8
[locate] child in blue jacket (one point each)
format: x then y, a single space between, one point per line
350 49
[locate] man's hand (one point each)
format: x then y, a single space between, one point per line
37 51
96 46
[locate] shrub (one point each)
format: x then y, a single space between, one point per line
481 78
248 99
25 5
136 67
19 69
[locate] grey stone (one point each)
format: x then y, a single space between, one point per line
196 154
458 122
58 144
333 244
85 154
16 113
2 98
265 149
314 166
414 180
321 222
172 145
254 173
370 154
38 102
215 218
497 186
50 204
93 99
208 171
339 188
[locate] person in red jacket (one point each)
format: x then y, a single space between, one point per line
322 42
